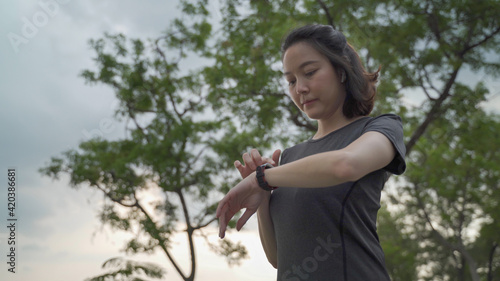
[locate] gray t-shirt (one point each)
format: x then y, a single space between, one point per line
330 233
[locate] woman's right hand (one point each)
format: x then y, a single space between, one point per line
254 159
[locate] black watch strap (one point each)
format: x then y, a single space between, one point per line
261 178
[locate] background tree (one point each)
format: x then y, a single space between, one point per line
447 207
400 249
423 47
172 152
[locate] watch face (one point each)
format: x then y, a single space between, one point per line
268 166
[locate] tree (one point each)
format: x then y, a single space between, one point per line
454 186
423 47
173 151
447 172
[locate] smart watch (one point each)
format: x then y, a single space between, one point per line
261 178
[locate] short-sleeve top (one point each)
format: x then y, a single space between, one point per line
330 233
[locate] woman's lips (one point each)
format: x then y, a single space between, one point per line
309 102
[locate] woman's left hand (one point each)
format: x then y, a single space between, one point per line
246 194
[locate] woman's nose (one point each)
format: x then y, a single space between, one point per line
302 87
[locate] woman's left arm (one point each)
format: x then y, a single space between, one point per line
370 152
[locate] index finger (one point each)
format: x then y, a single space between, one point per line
222 225
221 206
239 166
256 157
276 156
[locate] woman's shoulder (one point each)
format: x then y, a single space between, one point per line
385 117
389 121
391 126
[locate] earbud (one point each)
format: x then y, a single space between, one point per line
342 78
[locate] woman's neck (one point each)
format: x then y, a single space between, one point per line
332 124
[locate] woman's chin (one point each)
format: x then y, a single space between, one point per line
312 115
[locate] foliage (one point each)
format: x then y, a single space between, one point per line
171 154
400 247
423 47
454 184
128 269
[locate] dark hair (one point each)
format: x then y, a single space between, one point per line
360 85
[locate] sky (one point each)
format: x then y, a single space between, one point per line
46 108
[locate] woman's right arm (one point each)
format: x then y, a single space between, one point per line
266 232
266 227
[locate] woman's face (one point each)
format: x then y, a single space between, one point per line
313 82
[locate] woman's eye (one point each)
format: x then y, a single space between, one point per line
310 73
291 83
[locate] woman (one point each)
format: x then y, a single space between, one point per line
320 224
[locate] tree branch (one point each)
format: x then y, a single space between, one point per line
161 241
162 55
296 121
429 82
155 235
327 13
433 23
116 200
146 136
204 224
480 42
424 88
434 112
179 115
189 231
131 107
460 248
490 261
196 158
